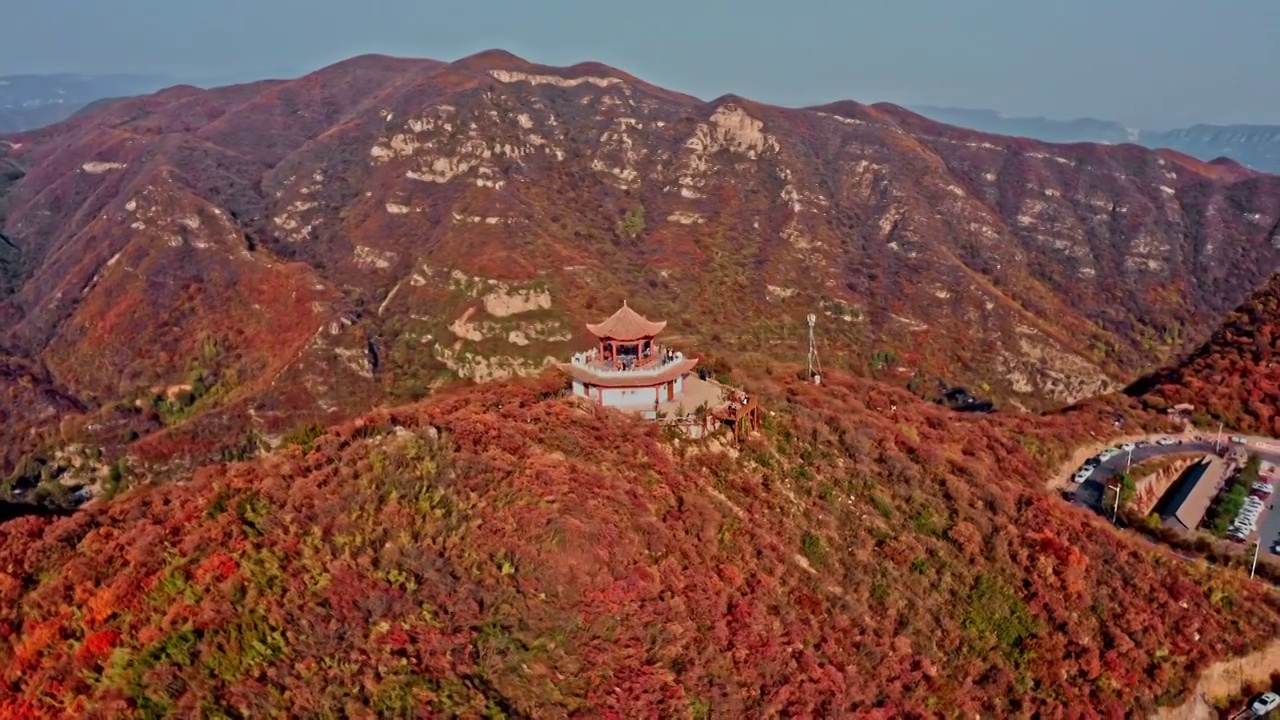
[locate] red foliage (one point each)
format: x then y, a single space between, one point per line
1234 377
501 548
98 645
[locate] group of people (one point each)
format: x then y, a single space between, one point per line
628 362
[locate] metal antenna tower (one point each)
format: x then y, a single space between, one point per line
815 365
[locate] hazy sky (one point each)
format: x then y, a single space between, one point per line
1154 63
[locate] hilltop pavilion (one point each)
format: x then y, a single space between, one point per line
627 369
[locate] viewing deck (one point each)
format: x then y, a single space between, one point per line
658 368
735 409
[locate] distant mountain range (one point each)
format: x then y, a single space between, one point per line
1256 146
32 101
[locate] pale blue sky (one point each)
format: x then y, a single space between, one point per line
1154 63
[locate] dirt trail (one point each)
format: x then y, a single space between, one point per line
1227 678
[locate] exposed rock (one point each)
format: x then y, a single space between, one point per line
97 168
505 301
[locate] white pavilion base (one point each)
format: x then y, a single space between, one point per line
633 398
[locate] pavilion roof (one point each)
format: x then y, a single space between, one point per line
626 325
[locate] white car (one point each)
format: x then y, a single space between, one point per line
1264 704
1167 441
1106 455
1237 440
1128 447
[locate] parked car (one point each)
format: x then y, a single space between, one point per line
1237 439
1264 704
1128 447
1167 441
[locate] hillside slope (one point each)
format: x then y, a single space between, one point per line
501 550
310 248
1233 376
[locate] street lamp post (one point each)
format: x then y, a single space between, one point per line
1256 549
1115 510
1217 441
1128 463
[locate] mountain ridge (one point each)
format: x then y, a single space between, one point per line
392 200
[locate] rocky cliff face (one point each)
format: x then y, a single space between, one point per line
381 225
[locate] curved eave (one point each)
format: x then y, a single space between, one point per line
585 375
603 331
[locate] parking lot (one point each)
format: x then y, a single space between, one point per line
1090 493
1089 485
1269 523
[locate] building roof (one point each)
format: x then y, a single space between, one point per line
626 325
629 379
1190 499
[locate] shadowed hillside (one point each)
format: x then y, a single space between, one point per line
1233 377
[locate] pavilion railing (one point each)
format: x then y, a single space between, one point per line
591 362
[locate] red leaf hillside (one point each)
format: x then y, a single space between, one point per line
504 551
1232 377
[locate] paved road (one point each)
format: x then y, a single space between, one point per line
1091 492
